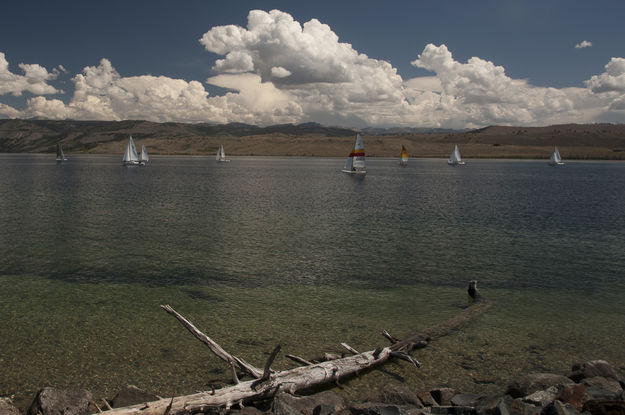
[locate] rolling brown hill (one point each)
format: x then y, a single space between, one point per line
576 141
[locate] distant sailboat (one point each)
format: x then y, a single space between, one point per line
556 159
221 154
60 156
144 158
403 159
131 158
355 163
455 159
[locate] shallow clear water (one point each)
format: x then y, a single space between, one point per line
262 251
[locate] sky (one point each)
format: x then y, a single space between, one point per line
408 63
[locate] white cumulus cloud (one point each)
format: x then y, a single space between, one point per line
256 102
613 79
328 79
583 44
276 45
280 72
35 79
235 62
6 111
102 94
277 70
609 87
479 92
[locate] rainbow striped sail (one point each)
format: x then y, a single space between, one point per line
403 159
355 163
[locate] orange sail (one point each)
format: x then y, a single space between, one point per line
403 160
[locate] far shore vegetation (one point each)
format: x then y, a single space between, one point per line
575 141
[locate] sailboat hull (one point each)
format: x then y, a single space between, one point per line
355 172
455 163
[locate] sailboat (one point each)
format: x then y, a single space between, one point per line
455 159
144 158
221 154
556 159
355 164
131 158
403 159
60 156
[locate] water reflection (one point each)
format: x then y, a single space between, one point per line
258 221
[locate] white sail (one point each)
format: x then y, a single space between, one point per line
348 164
144 158
130 155
455 159
355 163
221 154
60 156
555 159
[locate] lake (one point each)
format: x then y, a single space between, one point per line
268 250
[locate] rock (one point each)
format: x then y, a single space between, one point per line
7 408
518 407
593 369
370 408
281 406
493 405
560 408
466 399
602 407
322 403
453 410
601 388
50 401
248 410
426 398
443 395
575 395
542 398
505 405
398 395
528 384
131 395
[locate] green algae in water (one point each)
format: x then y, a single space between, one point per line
103 336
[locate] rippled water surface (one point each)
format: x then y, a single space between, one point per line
261 251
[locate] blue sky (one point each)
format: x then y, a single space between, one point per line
355 63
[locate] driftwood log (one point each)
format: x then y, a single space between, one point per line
266 383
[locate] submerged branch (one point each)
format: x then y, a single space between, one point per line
267 383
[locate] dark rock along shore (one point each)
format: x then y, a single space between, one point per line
594 388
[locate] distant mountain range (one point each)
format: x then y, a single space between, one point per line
309 139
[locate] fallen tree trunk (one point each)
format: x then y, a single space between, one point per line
268 383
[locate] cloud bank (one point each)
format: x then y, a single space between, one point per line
583 44
35 79
277 70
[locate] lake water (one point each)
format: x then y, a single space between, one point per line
261 251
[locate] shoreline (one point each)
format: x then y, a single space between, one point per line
285 155
593 387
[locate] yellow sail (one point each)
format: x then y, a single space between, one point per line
403 160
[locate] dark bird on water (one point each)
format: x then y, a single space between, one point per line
472 290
